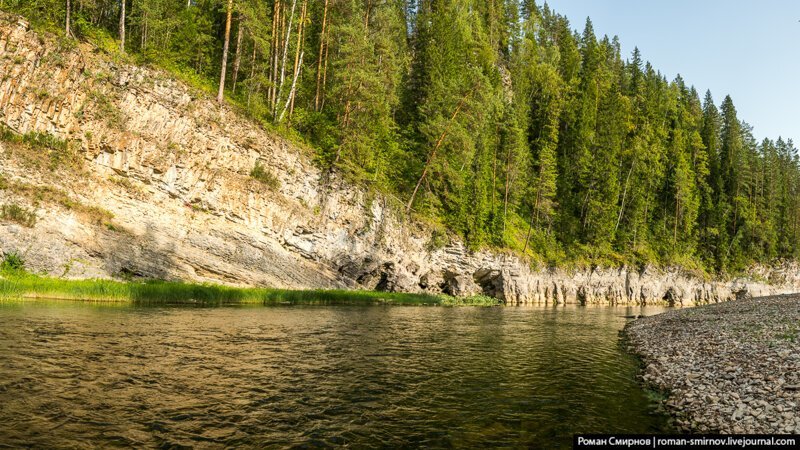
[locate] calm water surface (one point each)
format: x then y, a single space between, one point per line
75 375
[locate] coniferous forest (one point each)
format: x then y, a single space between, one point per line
493 119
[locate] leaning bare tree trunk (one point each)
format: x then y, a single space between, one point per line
67 29
225 53
238 57
534 217
298 62
122 27
436 147
290 98
283 59
624 195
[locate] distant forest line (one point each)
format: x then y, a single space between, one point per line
492 119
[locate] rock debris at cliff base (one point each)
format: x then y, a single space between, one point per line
731 368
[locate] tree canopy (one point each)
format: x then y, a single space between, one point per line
493 118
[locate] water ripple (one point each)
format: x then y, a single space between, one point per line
74 375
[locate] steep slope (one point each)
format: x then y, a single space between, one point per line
134 173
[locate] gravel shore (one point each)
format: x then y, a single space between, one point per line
730 367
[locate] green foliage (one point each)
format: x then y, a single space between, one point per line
58 151
8 135
494 119
18 214
13 263
475 300
438 240
44 141
106 110
265 177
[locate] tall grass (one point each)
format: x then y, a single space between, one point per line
18 284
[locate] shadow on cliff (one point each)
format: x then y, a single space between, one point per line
128 256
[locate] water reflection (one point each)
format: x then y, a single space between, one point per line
73 375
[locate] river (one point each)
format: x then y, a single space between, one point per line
81 375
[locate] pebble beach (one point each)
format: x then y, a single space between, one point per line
730 367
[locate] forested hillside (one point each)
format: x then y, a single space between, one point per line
492 118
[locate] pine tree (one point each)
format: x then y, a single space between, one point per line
729 166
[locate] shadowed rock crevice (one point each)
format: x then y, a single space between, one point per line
492 283
671 296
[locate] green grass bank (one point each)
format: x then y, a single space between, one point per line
21 285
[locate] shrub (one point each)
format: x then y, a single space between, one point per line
106 109
18 214
266 177
8 135
12 262
438 240
44 141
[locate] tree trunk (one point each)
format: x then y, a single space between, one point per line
143 42
508 184
298 62
238 57
293 93
252 73
494 179
122 26
677 211
224 64
67 29
283 59
324 76
624 194
322 38
366 14
273 73
436 147
534 216
290 99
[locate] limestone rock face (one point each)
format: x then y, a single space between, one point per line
172 167
460 284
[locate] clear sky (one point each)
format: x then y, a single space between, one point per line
749 50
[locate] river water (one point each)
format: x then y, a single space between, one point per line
78 375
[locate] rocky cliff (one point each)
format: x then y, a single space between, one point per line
147 177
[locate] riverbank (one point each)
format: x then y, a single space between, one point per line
731 367
25 285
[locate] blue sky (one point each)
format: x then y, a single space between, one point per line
747 49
